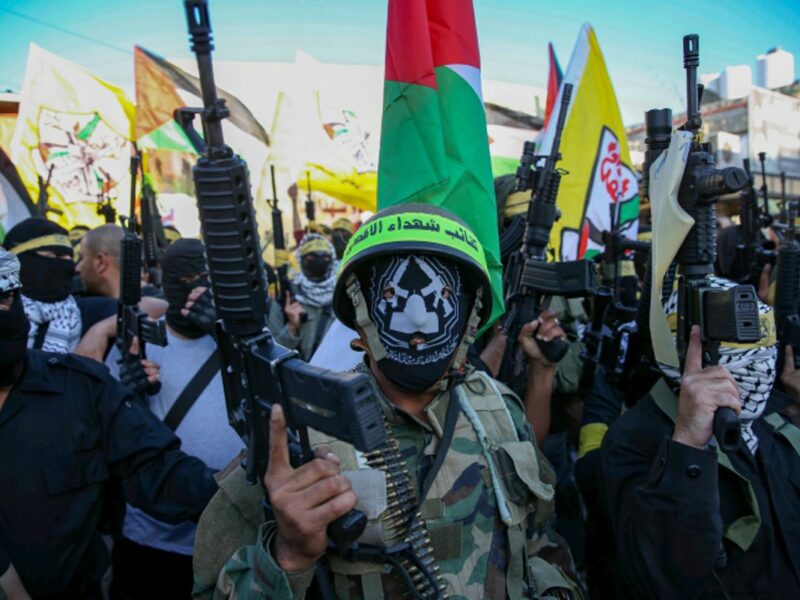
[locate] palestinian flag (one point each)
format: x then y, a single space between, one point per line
161 87
554 78
508 130
434 145
168 154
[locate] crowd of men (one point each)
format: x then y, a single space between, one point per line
123 479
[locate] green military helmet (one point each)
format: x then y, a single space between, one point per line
413 228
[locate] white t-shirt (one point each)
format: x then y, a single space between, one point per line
204 431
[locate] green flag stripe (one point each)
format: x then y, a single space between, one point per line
89 128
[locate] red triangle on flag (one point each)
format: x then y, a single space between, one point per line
554 78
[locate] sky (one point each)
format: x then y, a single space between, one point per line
641 40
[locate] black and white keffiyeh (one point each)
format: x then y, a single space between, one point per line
62 320
9 271
753 367
315 293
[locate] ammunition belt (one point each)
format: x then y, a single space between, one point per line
403 523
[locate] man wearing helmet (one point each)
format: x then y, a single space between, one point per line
415 285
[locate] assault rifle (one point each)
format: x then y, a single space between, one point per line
257 372
281 254
529 277
131 320
155 241
784 208
635 369
309 202
753 252
612 335
787 289
105 208
42 207
729 315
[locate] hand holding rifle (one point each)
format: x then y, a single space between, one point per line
305 500
703 391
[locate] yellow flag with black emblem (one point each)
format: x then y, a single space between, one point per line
80 127
596 158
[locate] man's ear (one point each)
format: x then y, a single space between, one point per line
358 345
101 262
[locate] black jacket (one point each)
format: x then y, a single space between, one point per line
670 504
73 443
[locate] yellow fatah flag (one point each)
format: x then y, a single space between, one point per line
79 125
595 155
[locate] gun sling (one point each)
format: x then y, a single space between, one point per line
320 330
192 391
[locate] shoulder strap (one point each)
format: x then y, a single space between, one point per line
784 428
192 391
665 399
324 318
453 408
41 334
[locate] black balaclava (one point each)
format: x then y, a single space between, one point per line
316 266
418 299
44 278
184 258
339 239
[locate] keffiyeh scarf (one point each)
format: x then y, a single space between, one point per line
314 293
62 320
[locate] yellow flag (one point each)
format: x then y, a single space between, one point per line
595 155
80 126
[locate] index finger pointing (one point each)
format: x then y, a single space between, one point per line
279 466
694 353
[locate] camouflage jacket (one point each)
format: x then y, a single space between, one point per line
489 513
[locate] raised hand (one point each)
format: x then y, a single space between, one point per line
304 500
703 391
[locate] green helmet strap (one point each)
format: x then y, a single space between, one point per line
472 330
362 317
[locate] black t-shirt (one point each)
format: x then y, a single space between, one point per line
94 309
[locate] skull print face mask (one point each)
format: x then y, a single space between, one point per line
420 309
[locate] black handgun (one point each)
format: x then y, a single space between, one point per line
153 237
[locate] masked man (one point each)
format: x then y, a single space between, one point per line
691 521
45 255
459 500
190 403
74 446
299 322
341 232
